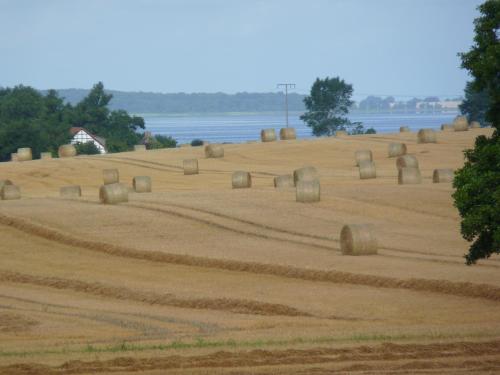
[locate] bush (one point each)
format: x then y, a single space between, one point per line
88 148
196 142
161 141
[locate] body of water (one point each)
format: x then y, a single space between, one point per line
236 128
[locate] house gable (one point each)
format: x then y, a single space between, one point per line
80 135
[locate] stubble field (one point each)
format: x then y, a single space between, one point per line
198 277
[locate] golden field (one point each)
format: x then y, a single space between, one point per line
199 278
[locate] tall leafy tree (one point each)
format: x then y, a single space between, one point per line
327 106
477 194
118 128
29 119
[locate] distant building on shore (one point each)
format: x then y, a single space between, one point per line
82 135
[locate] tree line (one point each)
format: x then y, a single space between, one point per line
29 118
177 103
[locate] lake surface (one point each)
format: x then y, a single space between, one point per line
238 128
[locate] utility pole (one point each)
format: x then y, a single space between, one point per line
286 86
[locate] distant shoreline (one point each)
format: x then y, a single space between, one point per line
260 113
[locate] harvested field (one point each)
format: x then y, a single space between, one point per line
199 278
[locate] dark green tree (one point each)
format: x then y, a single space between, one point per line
475 104
327 106
29 119
117 127
477 184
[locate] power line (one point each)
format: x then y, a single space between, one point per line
286 86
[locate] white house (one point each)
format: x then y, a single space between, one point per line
81 135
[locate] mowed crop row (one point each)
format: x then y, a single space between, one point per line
196 259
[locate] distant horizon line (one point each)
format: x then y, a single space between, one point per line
447 96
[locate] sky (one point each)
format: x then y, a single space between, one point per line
381 47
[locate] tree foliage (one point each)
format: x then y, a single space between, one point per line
87 148
29 119
327 106
161 141
477 198
477 194
42 122
117 127
475 104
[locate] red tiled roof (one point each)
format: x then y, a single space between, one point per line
76 129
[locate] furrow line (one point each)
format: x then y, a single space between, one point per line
461 289
239 306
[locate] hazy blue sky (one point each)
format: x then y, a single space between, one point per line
399 47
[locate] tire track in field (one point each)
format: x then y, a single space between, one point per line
239 306
202 327
461 289
390 251
113 160
214 224
165 167
400 358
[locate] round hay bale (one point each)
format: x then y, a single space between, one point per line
13 157
409 176
113 193
142 184
367 170
10 192
67 151
241 180
447 127
475 125
110 176
267 135
4 183
363 155
358 239
461 124
308 191
284 181
305 174
341 133
443 175
46 156
24 154
72 191
404 129
190 166
287 134
214 151
426 136
140 148
406 161
396 149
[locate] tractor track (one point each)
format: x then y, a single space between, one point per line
461 289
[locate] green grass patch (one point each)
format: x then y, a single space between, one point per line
250 344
